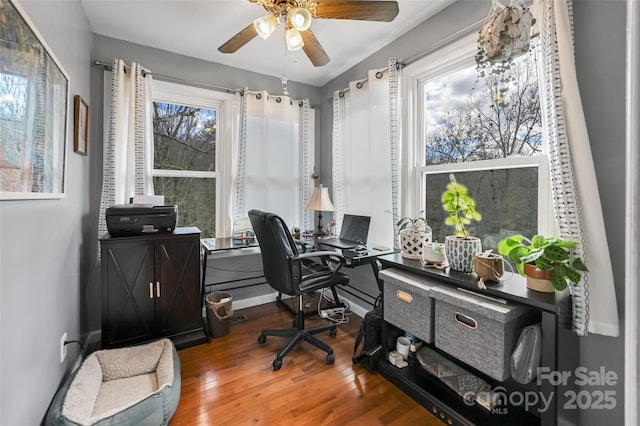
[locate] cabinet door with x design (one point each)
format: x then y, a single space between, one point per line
151 288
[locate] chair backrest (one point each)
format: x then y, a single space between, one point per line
277 248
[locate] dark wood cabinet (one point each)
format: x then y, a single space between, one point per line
151 288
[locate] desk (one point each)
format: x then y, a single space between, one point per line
353 259
212 245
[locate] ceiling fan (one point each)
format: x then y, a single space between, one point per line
298 14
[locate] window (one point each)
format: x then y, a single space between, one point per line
486 130
191 142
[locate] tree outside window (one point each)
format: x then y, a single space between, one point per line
481 127
185 162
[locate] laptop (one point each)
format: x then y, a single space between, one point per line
354 232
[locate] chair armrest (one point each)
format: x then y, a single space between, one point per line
331 255
301 244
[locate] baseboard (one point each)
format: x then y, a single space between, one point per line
355 307
254 301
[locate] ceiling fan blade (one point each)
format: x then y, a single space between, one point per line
313 49
239 40
385 11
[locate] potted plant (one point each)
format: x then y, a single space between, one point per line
460 248
414 233
504 35
549 263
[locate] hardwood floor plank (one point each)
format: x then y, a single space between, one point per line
231 381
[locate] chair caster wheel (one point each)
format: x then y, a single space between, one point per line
277 364
262 338
331 358
333 332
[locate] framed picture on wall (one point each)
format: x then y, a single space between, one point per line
34 111
81 127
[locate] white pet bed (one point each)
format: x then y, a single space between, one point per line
138 385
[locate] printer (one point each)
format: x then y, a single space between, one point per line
139 219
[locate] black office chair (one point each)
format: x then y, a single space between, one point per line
292 273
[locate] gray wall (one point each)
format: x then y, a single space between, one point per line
43 247
600 62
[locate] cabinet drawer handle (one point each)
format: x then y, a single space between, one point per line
150 290
157 288
465 321
404 296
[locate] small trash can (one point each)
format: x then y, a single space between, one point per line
219 313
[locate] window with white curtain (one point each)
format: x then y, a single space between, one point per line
486 130
362 176
277 149
192 153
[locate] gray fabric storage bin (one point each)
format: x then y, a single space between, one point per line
407 303
478 331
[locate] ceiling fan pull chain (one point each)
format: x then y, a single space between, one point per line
285 89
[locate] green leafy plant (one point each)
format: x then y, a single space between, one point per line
547 254
460 206
416 224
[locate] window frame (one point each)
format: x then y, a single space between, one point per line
224 104
442 59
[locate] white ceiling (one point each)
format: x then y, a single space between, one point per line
197 27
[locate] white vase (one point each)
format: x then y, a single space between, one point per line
433 253
412 243
461 251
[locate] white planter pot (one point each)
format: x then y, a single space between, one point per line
433 253
412 243
461 251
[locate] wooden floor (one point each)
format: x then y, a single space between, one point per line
231 381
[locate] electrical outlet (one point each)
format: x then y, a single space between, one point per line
63 347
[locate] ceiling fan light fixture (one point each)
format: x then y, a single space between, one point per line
300 18
294 39
265 25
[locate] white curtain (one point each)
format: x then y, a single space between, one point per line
575 188
365 154
275 158
128 144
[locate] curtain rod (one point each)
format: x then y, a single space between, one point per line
451 38
107 66
360 83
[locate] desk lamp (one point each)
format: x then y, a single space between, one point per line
320 202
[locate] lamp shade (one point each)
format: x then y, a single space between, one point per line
265 25
294 39
320 200
300 18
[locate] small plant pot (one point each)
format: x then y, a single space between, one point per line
538 280
433 253
489 267
461 251
412 243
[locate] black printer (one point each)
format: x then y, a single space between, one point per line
138 219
